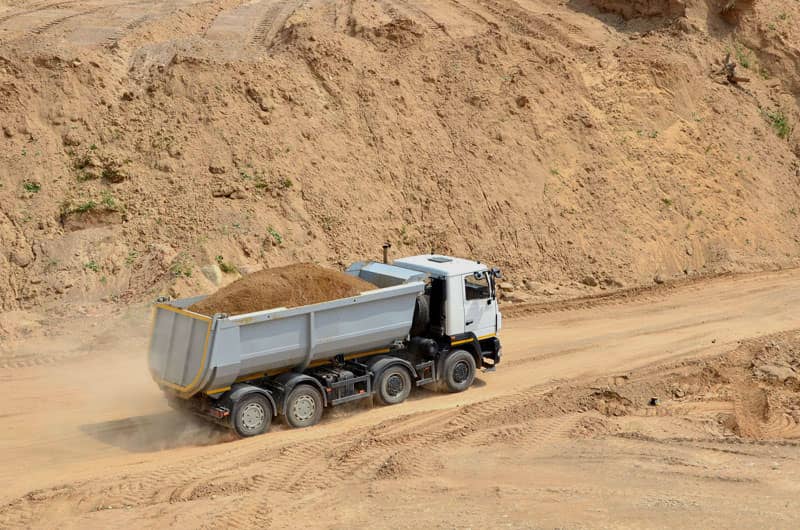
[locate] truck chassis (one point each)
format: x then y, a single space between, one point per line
249 406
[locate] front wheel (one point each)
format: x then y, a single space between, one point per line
458 371
303 407
252 415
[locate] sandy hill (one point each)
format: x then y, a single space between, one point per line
157 145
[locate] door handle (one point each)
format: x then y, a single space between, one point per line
468 322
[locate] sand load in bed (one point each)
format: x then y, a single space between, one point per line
289 286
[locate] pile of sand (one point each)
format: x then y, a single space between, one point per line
290 286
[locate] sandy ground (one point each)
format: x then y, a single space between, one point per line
144 142
561 435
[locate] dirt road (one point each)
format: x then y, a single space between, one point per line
90 442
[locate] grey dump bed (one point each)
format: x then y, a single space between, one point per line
190 353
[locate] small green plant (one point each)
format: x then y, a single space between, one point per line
109 201
667 201
131 258
103 280
31 187
779 122
92 266
225 267
93 147
286 183
182 266
654 134
554 172
793 211
742 56
85 207
275 235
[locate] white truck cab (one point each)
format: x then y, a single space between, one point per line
468 300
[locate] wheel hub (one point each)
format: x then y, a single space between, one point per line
395 385
253 416
460 372
303 408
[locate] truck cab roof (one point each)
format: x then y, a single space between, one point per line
440 266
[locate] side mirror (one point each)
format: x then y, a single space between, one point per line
496 273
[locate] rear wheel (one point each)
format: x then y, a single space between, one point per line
393 386
303 407
458 371
252 415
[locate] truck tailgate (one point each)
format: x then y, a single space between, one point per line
179 348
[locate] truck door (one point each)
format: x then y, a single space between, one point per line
479 305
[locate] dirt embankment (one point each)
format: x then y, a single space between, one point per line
289 286
140 147
751 393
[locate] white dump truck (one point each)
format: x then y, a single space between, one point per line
431 320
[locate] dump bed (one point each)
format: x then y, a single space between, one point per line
190 353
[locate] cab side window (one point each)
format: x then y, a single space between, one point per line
477 288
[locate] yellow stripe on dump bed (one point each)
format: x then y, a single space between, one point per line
190 314
188 388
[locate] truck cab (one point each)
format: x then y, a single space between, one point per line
462 302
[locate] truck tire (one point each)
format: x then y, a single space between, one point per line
458 371
393 386
303 407
422 315
252 415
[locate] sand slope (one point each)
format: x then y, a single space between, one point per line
142 140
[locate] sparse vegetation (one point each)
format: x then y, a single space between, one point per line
182 266
779 122
276 236
31 186
743 56
92 266
84 207
131 258
225 267
109 201
286 183
667 201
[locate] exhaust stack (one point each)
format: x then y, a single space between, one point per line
386 247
